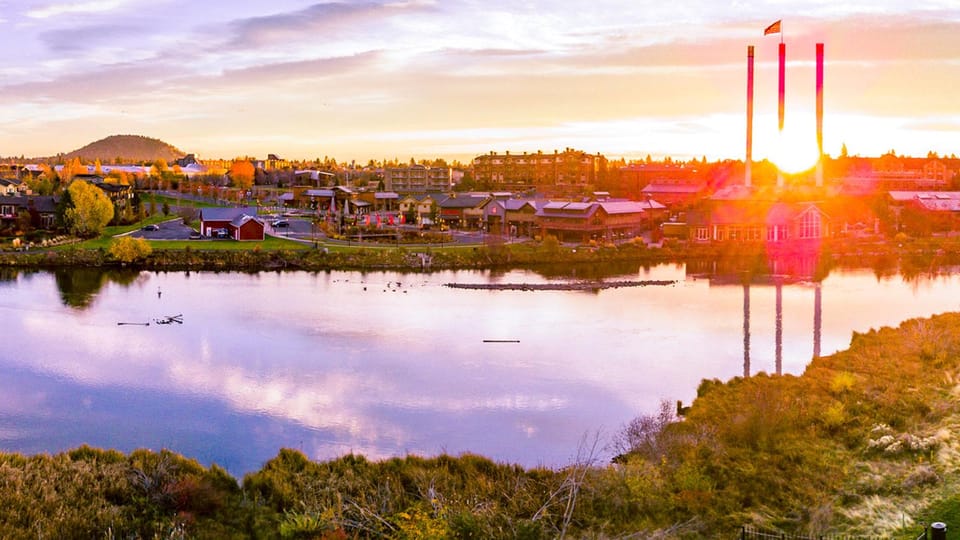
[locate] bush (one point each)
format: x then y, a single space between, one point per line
127 249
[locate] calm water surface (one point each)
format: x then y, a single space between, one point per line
386 364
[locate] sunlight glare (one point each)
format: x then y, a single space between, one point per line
796 149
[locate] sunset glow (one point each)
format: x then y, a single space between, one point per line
796 150
421 78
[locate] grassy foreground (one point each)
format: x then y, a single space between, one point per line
863 443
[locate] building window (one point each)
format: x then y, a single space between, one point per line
6 210
810 225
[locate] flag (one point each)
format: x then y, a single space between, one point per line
772 29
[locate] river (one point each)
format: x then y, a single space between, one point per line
386 364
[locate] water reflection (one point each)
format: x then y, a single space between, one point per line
390 363
79 287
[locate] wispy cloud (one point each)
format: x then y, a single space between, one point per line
92 6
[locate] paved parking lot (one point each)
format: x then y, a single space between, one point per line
168 230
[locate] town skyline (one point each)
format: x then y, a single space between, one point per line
383 80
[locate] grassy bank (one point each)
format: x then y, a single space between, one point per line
863 443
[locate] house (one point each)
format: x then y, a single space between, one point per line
236 223
414 208
42 210
10 187
758 221
119 194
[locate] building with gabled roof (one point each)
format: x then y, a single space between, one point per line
232 222
582 221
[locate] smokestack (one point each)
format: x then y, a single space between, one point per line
780 98
748 174
783 85
820 113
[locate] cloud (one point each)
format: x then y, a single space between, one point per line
92 6
319 22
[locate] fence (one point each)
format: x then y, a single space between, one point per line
750 533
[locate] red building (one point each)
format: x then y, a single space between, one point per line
236 223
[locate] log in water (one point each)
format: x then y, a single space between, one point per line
574 286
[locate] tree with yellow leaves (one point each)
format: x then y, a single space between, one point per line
90 209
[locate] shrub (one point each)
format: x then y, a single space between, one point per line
127 249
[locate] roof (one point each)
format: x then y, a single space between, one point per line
41 203
568 209
689 189
318 193
461 201
622 207
518 204
243 218
225 214
386 195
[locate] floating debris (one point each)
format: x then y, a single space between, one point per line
170 320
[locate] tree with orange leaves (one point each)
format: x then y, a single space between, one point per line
242 174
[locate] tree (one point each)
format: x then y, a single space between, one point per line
127 249
242 174
90 209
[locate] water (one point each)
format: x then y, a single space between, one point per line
386 364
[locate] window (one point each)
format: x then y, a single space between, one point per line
6 210
810 225
703 234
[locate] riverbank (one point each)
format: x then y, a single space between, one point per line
812 260
863 443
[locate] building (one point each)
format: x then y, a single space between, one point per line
462 211
570 171
518 217
417 179
583 221
758 221
41 209
416 208
236 223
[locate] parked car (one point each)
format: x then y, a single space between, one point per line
195 235
151 228
220 233
281 223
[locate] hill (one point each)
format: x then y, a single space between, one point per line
129 148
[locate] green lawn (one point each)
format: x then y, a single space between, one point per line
158 200
269 244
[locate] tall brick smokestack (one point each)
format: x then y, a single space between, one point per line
820 113
748 174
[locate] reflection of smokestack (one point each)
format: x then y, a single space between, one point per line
817 321
746 329
779 328
820 113
782 88
747 178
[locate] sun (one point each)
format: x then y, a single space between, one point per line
796 150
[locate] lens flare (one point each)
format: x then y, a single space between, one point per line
796 150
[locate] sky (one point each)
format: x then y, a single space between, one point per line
377 79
